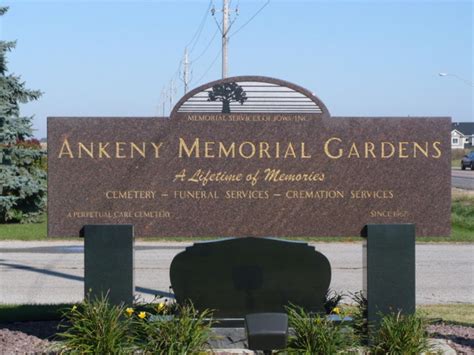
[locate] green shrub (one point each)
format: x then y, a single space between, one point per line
96 327
401 334
186 332
315 334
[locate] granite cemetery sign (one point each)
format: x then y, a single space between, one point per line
249 156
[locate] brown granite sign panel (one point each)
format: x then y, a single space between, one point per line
204 173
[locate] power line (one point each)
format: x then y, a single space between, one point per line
249 20
209 68
207 47
171 90
198 32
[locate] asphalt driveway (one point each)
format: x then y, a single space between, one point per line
53 272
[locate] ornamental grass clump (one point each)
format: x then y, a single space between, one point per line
96 327
315 334
332 299
359 317
401 334
186 332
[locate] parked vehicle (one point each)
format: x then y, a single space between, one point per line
468 161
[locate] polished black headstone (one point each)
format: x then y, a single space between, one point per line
108 262
389 269
239 276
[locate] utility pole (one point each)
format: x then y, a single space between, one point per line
163 100
186 70
171 93
226 25
225 39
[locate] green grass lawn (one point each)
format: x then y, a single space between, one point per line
30 231
462 221
31 312
462 314
449 313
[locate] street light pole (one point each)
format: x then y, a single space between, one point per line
465 81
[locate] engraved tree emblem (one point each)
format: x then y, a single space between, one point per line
227 93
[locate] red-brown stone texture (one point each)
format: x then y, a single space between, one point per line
279 165
344 172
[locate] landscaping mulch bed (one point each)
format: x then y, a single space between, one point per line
460 338
27 337
38 337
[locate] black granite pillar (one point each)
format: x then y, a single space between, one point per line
108 262
389 269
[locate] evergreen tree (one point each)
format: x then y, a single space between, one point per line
22 179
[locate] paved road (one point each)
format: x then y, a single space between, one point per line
52 272
463 179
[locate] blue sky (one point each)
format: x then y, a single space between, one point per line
371 58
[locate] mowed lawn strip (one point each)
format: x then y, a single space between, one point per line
448 313
32 312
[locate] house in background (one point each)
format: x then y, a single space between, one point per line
44 144
462 135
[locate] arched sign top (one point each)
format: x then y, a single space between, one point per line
251 94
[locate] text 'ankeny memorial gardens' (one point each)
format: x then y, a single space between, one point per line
249 156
